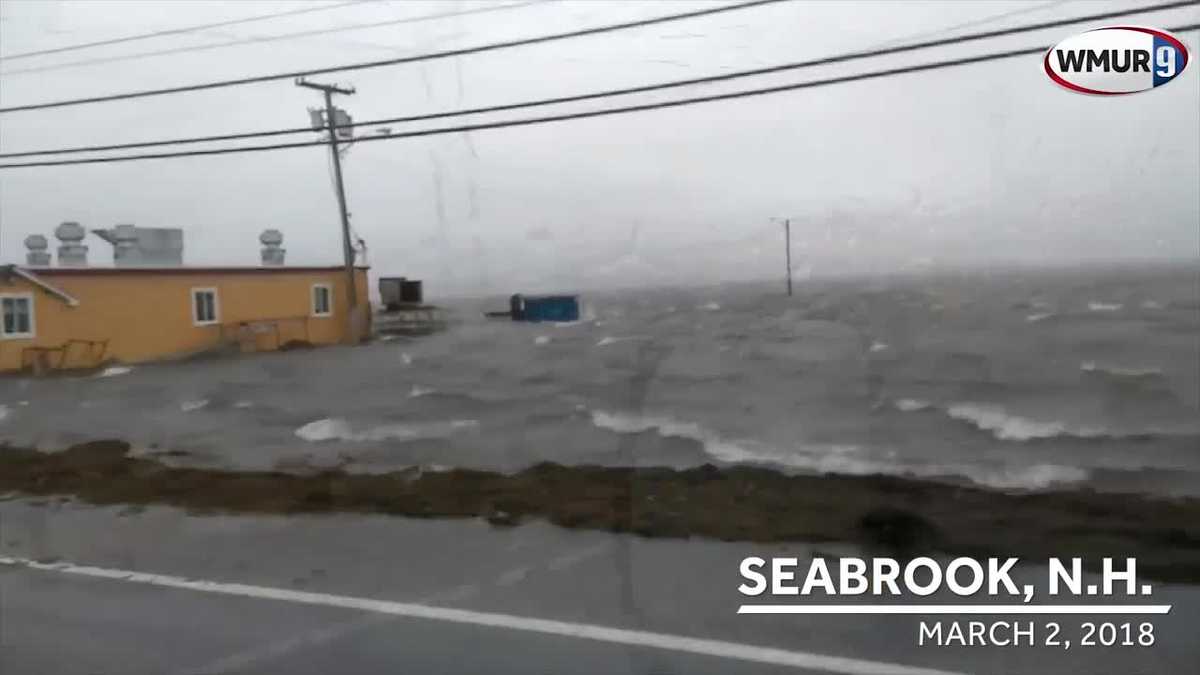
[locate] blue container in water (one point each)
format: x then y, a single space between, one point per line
545 307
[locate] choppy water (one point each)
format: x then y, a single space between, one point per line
1009 380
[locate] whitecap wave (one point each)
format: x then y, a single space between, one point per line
1008 427
839 458
244 404
1104 306
878 346
1151 304
911 404
632 423
113 371
418 391
1034 318
406 358
725 450
337 429
710 306
609 340
1032 477
189 406
541 340
3 412
1093 367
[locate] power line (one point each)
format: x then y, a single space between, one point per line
275 38
178 31
522 42
840 58
936 65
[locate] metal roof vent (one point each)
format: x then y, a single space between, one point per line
37 255
144 246
71 253
272 251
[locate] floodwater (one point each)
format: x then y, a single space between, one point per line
1016 380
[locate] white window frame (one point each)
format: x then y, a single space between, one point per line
313 300
4 335
216 306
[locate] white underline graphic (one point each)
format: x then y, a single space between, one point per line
954 609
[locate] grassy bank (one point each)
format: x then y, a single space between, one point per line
895 514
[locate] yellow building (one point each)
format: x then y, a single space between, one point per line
66 318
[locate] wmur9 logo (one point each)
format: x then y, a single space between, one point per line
1116 60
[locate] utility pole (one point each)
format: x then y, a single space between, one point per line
787 244
347 248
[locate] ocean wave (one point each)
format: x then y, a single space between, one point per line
113 371
541 340
609 339
1008 427
1032 477
911 404
824 459
710 306
713 444
189 406
1041 316
878 346
1093 367
337 429
1095 306
4 411
418 391
840 458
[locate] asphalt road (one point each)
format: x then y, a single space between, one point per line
262 594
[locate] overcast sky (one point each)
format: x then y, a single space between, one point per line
979 164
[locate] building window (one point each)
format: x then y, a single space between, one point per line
16 316
205 308
322 300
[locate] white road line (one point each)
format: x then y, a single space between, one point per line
241 661
633 638
315 638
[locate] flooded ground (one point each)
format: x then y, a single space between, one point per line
1012 381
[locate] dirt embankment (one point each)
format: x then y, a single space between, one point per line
899 515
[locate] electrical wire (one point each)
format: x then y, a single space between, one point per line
936 65
275 38
830 60
179 31
479 49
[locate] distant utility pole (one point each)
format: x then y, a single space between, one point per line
787 244
347 248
